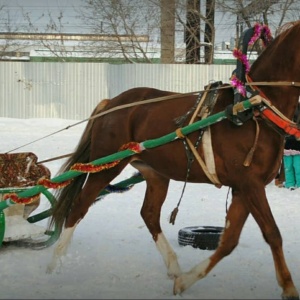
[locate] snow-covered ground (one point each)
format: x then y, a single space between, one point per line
112 255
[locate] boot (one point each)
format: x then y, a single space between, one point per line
290 181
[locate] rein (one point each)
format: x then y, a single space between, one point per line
153 100
274 83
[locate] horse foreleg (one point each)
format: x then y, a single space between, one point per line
169 256
235 220
156 192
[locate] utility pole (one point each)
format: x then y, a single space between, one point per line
167 31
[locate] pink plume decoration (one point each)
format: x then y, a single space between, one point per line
236 83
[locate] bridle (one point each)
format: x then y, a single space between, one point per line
270 112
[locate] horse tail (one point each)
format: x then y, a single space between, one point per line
66 196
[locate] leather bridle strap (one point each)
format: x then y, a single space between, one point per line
273 83
271 113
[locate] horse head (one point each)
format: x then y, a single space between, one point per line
279 63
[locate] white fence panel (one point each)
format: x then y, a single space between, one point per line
72 90
171 77
51 90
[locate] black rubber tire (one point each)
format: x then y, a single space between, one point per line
202 237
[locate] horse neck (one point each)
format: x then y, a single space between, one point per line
280 62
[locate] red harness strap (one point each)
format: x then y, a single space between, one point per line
289 127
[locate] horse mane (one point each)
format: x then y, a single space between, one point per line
280 30
281 33
284 30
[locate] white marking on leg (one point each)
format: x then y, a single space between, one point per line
61 247
185 280
169 256
227 225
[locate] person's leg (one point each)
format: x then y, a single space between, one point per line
279 180
297 169
290 181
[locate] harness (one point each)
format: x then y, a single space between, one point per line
235 112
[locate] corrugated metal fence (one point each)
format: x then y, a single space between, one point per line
72 90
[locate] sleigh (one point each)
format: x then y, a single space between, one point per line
22 222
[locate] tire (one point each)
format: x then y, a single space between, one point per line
202 237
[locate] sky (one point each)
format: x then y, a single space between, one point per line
38 11
112 254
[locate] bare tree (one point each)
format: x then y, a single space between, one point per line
209 37
192 32
8 25
123 17
271 12
59 48
145 31
199 30
167 31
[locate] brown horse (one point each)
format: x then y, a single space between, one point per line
230 143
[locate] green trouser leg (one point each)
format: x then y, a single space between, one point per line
297 169
290 180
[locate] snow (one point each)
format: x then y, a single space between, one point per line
113 256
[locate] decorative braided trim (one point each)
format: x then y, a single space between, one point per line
133 146
238 84
238 54
90 168
53 185
80 167
15 198
260 31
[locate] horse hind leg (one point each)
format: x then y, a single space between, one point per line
61 248
94 184
262 214
235 220
156 192
252 201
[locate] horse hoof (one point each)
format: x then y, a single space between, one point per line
290 294
173 274
178 287
50 268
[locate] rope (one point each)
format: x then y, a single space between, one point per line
54 158
129 151
274 83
